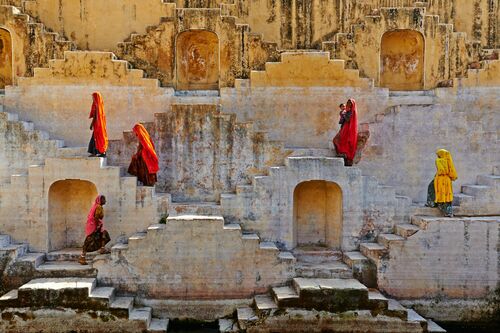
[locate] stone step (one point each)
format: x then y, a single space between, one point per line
245 316
363 269
415 317
488 180
475 190
268 246
158 325
70 292
334 269
316 254
386 239
69 254
15 250
264 303
195 208
10 299
377 301
251 237
287 257
233 227
406 230
460 199
395 309
372 250
35 259
141 314
285 296
103 293
228 326
354 258
4 240
432 327
66 269
122 305
332 295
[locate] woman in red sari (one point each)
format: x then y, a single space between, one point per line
346 140
99 141
96 236
144 164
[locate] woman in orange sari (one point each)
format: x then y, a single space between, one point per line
346 140
99 141
144 162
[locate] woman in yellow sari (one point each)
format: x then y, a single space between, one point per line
440 191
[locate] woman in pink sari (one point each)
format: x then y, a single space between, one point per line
96 236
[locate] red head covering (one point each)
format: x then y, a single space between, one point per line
348 135
148 148
92 224
100 134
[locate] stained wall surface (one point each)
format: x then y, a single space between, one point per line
5 58
69 203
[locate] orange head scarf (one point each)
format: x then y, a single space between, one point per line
99 126
148 148
348 136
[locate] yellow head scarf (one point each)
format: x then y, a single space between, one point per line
444 154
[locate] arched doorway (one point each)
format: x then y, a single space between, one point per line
197 60
317 206
69 203
402 60
5 58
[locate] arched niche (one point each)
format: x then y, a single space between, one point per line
5 58
69 203
402 60
197 60
317 206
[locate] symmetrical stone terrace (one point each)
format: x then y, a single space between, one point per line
82 295
195 257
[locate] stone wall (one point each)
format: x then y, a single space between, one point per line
403 142
203 152
450 259
194 257
32 46
98 25
59 98
28 203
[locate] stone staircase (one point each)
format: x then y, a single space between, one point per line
342 44
81 294
49 45
195 243
330 295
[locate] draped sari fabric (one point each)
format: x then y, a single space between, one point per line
148 152
445 174
99 125
346 140
94 222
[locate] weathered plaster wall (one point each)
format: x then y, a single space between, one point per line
96 24
307 69
450 258
25 201
59 98
444 56
300 116
154 51
401 149
194 257
31 45
203 152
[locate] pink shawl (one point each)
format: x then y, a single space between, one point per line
92 224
